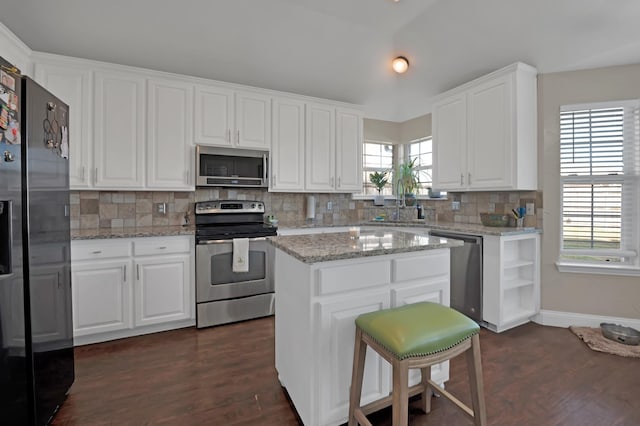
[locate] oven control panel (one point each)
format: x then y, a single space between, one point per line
229 206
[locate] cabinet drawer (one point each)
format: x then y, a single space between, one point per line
100 249
153 246
413 268
353 277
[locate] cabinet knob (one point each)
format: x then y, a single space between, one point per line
97 252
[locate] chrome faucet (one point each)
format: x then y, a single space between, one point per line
400 202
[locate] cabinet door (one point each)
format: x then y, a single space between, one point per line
119 130
335 349
320 148
101 297
169 136
49 310
73 86
490 155
287 151
253 120
349 150
449 143
213 116
162 291
437 291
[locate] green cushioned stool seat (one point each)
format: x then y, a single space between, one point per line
418 329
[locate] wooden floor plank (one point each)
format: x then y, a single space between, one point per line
225 375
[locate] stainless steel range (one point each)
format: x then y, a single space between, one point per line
222 295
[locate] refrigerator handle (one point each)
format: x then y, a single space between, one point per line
6 237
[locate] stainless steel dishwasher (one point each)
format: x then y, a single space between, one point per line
466 274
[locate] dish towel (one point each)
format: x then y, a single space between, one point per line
240 255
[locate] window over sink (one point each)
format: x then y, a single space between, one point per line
384 157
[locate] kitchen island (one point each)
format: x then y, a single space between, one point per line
322 283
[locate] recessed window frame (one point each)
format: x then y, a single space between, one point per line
601 260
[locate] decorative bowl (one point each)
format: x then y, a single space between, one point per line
494 219
621 334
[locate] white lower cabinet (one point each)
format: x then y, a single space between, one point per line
315 324
511 280
161 292
101 297
131 286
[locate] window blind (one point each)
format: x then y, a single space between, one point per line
599 169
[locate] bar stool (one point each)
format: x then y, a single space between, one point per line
416 336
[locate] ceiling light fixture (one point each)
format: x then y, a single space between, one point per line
400 64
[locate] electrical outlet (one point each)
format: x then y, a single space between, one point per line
162 208
329 206
531 209
455 205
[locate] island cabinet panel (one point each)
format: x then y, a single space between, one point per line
352 277
336 331
410 268
316 308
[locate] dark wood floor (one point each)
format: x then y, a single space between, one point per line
224 375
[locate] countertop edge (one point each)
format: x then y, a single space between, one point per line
138 232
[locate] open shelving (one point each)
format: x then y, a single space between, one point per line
511 280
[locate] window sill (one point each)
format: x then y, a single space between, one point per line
392 197
590 268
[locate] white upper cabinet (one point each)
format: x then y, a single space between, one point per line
226 117
72 85
213 115
287 146
484 133
119 130
135 129
320 147
450 158
333 149
349 150
169 135
253 120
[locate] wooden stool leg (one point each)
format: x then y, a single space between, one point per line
400 393
474 365
357 373
425 403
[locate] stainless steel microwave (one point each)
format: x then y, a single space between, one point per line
231 167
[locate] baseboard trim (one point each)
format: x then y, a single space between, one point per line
566 319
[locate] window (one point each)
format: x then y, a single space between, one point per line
378 157
600 186
421 150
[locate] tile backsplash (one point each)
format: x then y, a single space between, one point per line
109 209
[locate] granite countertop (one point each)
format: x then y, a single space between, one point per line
133 232
313 248
463 228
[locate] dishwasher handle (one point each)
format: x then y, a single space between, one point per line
473 239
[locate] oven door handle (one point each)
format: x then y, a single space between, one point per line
230 240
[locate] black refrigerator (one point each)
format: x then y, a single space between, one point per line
36 332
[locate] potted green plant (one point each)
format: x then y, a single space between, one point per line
379 180
407 177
